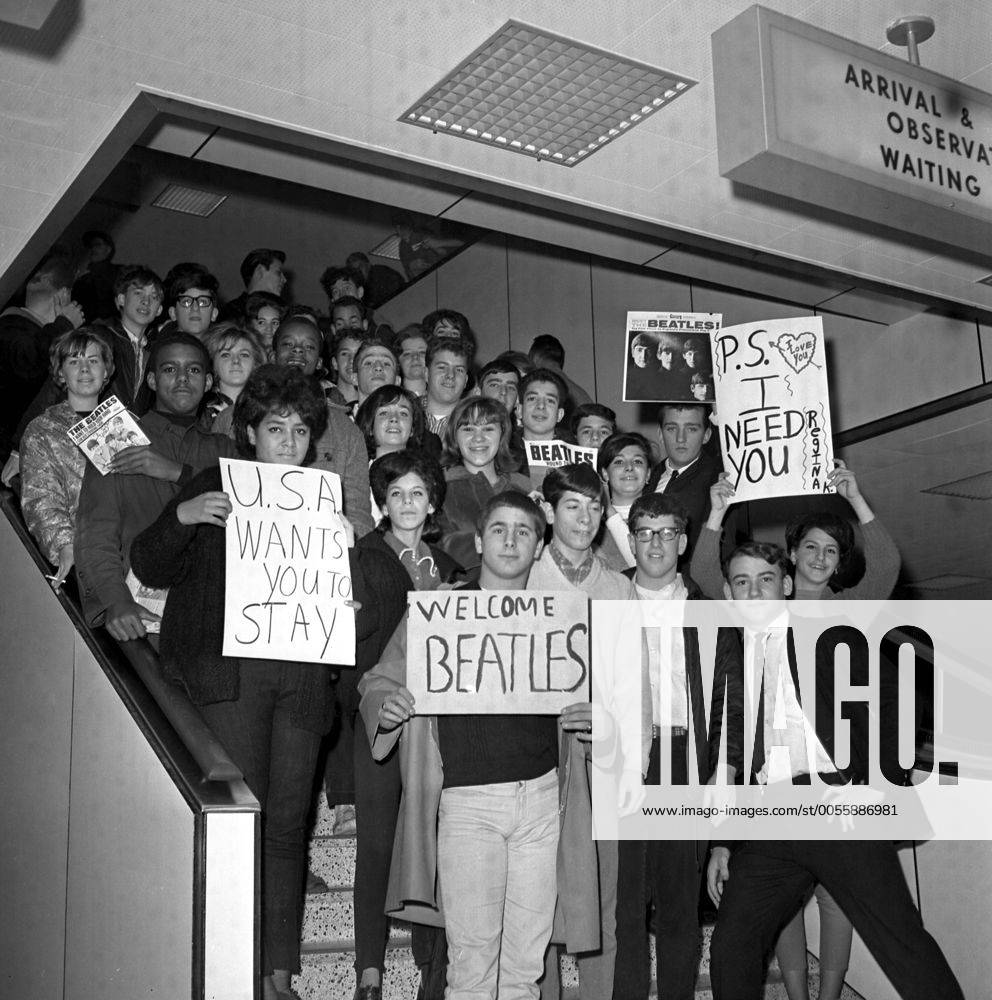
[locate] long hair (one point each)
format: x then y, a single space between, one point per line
478 410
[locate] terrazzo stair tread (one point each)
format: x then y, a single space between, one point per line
333 859
330 917
331 976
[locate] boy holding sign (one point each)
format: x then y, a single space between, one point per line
490 785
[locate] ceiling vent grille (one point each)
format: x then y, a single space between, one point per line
190 201
533 92
389 248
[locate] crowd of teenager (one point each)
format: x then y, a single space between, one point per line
474 828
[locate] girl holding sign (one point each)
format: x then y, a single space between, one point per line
268 714
478 465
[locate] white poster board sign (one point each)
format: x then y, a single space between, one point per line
288 576
773 407
497 652
554 454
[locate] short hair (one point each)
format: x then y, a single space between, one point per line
704 410
279 389
545 375
591 410
461 347
836 527
333 275
299 310
340 336
478 409
55 270
519 360
409 331
223 335
657 505
499 366
699 378
645 339
257 301
770 553
580 477
186 275
616 443
170 336
693 344
291 321
92 236
456 319
516 501
79 341
256 258
384 471
356 255
349 300
387 395
136 276
368 342
547 348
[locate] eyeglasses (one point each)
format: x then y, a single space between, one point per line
649 534
201 301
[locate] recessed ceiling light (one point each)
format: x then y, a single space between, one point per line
554 98
191 201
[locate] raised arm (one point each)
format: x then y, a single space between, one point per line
705 567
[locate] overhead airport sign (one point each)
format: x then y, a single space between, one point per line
807 114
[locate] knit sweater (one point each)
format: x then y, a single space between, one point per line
52 470
881 567
466 495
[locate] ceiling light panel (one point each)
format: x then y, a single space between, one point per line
532 92
191 201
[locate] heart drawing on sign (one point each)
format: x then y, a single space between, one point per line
797 349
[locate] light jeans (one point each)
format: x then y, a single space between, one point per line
497 846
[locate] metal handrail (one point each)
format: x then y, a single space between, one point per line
172 704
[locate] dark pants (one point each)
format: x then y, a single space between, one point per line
768 881
665 873
377 803
278 760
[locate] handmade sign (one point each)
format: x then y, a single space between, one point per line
667 357
773 407
497 652
288 576
556 453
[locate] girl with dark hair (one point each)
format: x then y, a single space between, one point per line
391 419
819 546
408 487
269 715
624 463
478 465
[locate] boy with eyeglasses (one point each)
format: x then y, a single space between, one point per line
192 296
658 526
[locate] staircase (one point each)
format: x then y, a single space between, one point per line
328 936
